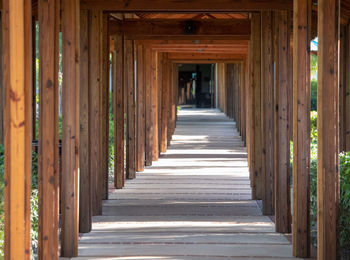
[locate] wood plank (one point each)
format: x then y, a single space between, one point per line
207 57
17 23
164 106
2 87
95 81
282 149
118 97
85 202
301 128
149 113
129 87
347 89
140 146
171 100
229 86
70 128
199 6
154 91
104 95
327 126
48 127
342 88
267 113
160 89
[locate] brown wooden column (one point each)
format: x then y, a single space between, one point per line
267 113
48 17
154 91
243 101
164 106
327 126
230 88
17 29
345 108
176 94
281 135
70 128
160 59
149 113
34 79
171 100
85 202
301 129
118 98
140 141
104 95
129 87
2 87
255 106
342 88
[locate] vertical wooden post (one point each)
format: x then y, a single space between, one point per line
165 102
176 94
48 15
2 87
149 114
140 146
104 95
70 127
170 103
85 204
33 77
154 91
230 88
95 109
327 126
282 150
17 29
243 101
160 86
301 129
118 97
346 105
129 87
268 108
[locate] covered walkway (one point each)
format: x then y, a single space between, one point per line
194 203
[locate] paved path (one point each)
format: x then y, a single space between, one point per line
194 203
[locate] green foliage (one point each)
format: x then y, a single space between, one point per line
344 209
314 95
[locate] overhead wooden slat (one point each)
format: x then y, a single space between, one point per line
204 56
196 6
17 40
132 28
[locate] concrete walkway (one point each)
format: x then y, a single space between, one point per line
194 203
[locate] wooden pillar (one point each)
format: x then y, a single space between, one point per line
48 16
2 87
149 113
327 126
140 142
160 59
85 203
118 98
255 106
164 106
34 78
281 135
342 87
171 100
129 87
104 95
230 88
267 113
17 29
154 91
346 121
301 129
243 101
70 128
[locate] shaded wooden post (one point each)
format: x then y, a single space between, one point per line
164 106
342 86
149 109
159 79
17 41
140 142
104 102
346 105
230 88
48 16
281 135
267 113
327 126
70 128
154 91
2 87
176 93
85 203
129 87
34 78
118 97
171 100
243 101
301 129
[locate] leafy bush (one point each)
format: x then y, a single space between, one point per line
314 95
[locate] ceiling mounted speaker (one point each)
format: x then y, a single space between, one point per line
190 27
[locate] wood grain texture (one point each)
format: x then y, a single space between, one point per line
2 87
160 59
164 106
149 114
70 128
155 95
17 40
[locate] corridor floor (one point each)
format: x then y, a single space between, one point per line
194 203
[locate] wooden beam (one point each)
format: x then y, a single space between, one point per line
2 87
327 126
197 6
70 128
281 135
129 87
149 114
165 102
48 139
17 22
146 28
154 91
140 146
176 57
85 203
118 100
301 128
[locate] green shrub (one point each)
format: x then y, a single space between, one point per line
344 210
314 95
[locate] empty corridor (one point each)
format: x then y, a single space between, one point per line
194 203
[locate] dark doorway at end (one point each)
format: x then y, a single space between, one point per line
197 85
